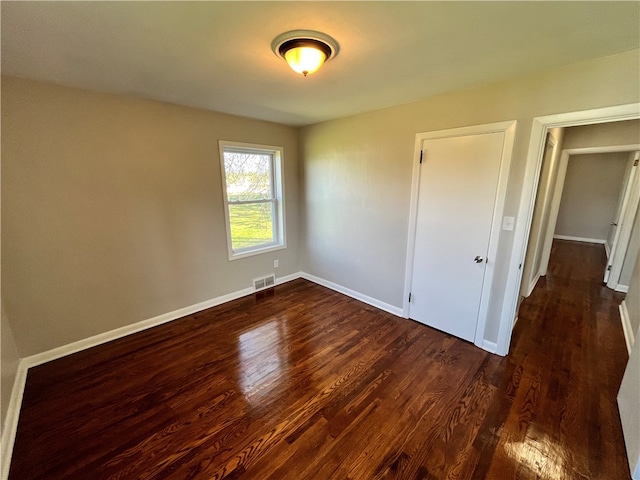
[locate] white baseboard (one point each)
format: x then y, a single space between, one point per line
11 420
117 333
491 347
13 412
581 239
626 326
622 288
288 278
532 285
15 403
353 294
486 345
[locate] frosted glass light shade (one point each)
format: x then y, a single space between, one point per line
305 60
305 50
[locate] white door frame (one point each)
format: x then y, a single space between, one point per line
509 129
623 196
547 199
527 199
557 194
623 232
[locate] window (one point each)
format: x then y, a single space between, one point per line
253 198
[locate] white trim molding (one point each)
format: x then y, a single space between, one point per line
488 346
15 403
276 200
626 220
397 311
13 412
532 285
629 336
508 128
117 333
11 420
599 241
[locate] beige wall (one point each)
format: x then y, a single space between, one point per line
542 211
9 366
590 195
603 135
357 170
112 210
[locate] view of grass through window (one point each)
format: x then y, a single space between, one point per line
250 196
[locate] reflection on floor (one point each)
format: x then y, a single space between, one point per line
569 349
310 384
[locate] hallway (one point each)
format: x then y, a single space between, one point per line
568 346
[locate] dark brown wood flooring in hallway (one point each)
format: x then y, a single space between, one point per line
309 384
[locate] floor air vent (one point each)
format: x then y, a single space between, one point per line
264 282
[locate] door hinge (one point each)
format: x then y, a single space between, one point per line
519 266
409 297
635 164
421 152
608 268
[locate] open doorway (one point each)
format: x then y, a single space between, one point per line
540 128
587 192
593 178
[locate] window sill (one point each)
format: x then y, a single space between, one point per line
256 251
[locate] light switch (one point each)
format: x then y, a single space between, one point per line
508 222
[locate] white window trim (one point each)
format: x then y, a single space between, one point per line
278 207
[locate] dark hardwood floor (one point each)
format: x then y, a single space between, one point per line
309 384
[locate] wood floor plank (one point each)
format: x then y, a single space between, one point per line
305 383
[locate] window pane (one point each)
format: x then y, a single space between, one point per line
251 225
248 176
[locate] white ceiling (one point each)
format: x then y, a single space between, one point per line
217 56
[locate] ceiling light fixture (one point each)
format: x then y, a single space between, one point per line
305 50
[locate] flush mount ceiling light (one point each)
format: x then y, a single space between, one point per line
305 50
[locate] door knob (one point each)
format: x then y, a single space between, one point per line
614 224
478 259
